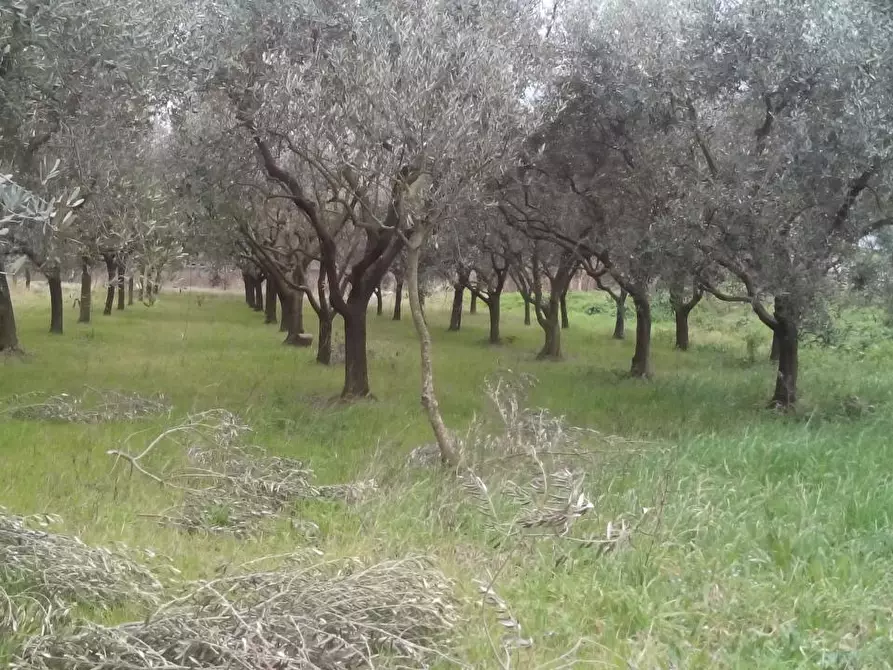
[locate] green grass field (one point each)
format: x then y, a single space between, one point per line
774 547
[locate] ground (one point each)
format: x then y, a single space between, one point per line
773 541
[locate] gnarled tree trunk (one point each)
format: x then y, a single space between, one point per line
86 291
620 316
641 363
456 311
775 351
787 329
9 339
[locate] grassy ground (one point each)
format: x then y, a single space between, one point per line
774 545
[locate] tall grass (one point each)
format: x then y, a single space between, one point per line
774 544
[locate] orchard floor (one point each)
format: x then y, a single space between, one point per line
774 547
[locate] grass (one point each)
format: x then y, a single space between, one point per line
774 544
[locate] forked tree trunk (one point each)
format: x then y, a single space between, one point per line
444 439
130 290
775 351
86 292
379 302
356 368
641 363
494 308
456 312
787 329
110 291
398 300
681 311
270 304
473 307
565 322
121 288
551 326
620 316
258 295
248 280
9 339
54 279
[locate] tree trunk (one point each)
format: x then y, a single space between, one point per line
473 307
526 311
379 303
356 365
130 290
285 315
565 323
787 330
248 280
258 295
9 339
54 279
141 289
324 342
121 287
86 292
293 319
429 397
620 316
641 364
270 304
398 300
494 308
27 278
552 328
682 328
456 313
110 291
775 351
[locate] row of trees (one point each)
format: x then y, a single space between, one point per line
740 149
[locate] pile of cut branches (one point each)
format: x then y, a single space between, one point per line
44 574
92 406
327 616
228 486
